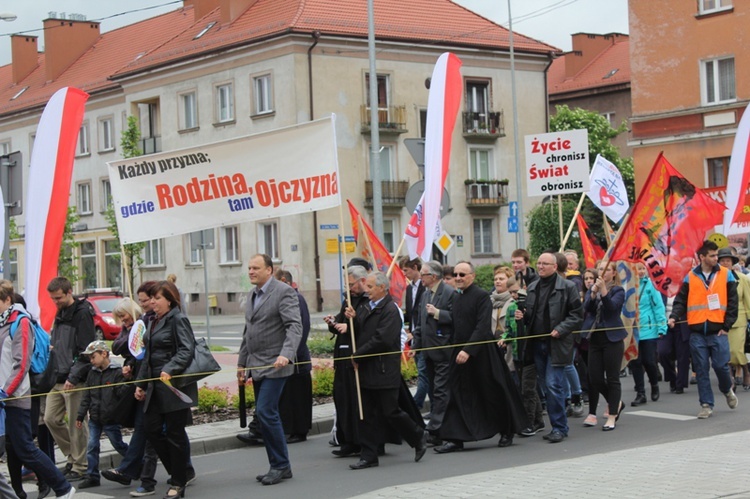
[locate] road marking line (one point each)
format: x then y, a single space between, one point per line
661 415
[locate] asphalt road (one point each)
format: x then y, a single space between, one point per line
317 473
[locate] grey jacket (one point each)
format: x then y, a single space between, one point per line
15 360
431 332
274 328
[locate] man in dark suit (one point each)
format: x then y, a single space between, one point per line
433 332
378 331
273 331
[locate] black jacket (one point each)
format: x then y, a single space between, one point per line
71 333
101 402
413 312
342 347
170 344
379 331
610 320
565 316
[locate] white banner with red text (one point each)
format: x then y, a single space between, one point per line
282 172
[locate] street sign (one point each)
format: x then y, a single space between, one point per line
11 180
513 208
512 224
329 226
414 194
444 243
416 149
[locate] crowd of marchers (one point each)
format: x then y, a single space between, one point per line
549 341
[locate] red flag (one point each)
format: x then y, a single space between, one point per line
50 174
591 249
377 253
669 221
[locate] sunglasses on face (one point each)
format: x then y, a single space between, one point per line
462 274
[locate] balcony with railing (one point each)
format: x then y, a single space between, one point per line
391 119
486 126
150 145
393 193
486 193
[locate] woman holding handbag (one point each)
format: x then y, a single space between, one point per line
170 346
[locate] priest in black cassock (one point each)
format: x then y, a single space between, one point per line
483 400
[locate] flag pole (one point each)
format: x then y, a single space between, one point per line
572 221
395 257
624 223
351 319
560 215
125 269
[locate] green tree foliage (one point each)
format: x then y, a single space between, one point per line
13 229
544 233
66 266
129 141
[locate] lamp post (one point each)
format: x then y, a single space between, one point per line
8 16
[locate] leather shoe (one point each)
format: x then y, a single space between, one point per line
293 439
505 441
449 447
346 451
640 399
363 464
248 439
554 437
421 447
654 392
275 476
434 441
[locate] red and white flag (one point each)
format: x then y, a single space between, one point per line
50 173
442 110
739 172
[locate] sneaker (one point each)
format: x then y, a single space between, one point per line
141 492
529 431
705 411
577 410
70 493
73 476
590 420
88 483
28 475
732 400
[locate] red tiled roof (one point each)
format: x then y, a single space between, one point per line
615 57
170 37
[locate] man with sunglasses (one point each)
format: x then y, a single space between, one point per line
483 401
553 312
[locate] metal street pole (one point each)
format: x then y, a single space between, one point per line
520 238
377 186
5 172
204 243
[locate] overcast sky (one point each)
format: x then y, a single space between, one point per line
551 21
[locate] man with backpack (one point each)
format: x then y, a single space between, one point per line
72 331
16 352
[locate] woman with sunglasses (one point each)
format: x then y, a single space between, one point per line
602 307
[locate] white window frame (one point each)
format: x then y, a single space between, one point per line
224 102
273 250
83 147
153 253
711 6
13 265
83 198
229 245
491 236
263 94
5 147
89 256
391 227
106 134
710 171
105 198
386 79
712 74
194 257
188 110
491 174
115 255
388 153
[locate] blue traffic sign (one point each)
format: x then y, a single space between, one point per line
512 224
513 208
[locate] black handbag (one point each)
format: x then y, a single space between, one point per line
202 365
45 381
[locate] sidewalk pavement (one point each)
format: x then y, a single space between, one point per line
700 468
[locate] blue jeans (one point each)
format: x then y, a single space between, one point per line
423 381
267 395
572 382
133 460
19 422
92 452
715 347
554 377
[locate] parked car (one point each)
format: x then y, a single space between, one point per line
102 301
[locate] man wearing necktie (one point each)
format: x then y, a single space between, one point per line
273 331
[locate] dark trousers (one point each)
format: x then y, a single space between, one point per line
605 358
437 373
21 447
267 394
646 361
166 433
423 381
377 404
674 352
530 395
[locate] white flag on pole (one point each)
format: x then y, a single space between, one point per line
607 189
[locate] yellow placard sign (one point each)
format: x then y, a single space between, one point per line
332 246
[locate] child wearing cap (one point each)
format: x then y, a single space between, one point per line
99 400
